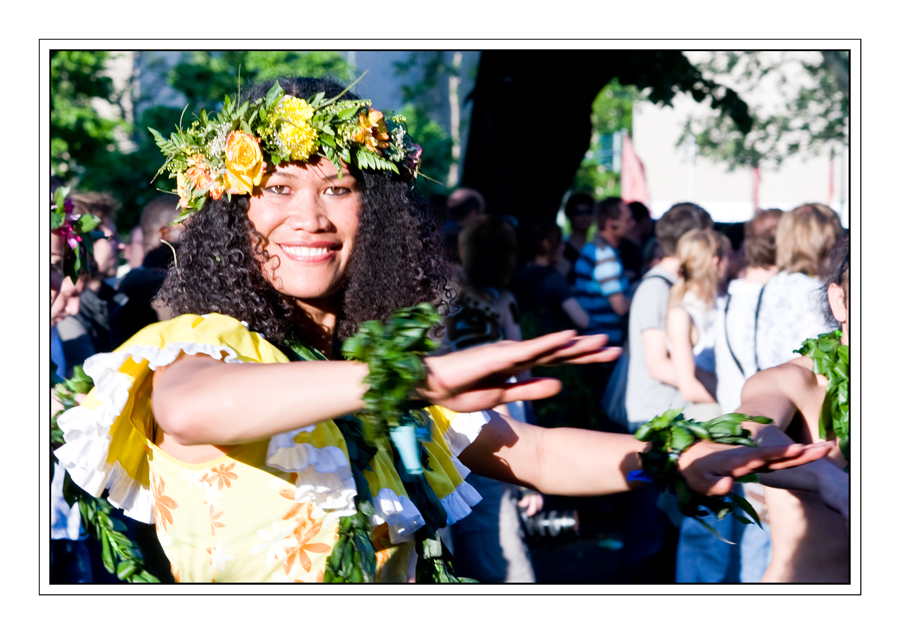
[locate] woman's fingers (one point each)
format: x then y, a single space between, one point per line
782 457
710 468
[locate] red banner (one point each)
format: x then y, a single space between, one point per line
634 184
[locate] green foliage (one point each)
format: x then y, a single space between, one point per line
353 559
119 555
393 352
812 115
422 97
79 135
436 149
611 112
831 359
206 77
670 434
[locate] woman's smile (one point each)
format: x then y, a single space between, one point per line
309 219
312 253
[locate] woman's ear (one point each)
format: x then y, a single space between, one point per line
838 305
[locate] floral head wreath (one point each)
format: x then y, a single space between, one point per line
77 233
230 152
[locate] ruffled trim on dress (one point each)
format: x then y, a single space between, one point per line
323 473
463 431
89 432
404 519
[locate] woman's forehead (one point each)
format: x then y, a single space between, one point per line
321 167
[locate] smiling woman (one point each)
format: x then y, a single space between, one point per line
229 427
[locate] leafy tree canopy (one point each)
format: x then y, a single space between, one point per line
802 107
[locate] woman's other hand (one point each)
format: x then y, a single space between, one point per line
711 468
476 379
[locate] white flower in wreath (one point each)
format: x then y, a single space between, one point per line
274 542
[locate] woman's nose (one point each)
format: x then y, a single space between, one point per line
307 215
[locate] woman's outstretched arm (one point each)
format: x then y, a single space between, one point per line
198 400
574 462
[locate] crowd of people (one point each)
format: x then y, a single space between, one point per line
231 472
697 317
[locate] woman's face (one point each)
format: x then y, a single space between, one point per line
309 219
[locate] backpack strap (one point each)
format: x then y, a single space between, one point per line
728 343
756 327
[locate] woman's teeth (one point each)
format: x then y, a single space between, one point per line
306 252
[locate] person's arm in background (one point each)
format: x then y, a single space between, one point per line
778 393
576 313
656 356
679 331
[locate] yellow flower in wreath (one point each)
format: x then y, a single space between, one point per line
244 164
372 132
295 135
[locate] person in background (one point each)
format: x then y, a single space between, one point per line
88 332
631 249
803 241
133 251
579 211
703 260
601 286
140 286
809 515
652 389
735 362
701 557
489 544
70 559
463 206
540 289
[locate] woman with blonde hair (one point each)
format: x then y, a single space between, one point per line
703 258
789 306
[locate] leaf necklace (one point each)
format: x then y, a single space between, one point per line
831 359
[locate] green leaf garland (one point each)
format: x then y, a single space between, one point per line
671 434
831 359
119 554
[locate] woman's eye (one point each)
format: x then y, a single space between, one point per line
280 190
337 191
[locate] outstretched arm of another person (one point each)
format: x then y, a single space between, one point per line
578 462
198 400
778 393
656 356
678 326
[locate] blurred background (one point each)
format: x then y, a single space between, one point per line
733 131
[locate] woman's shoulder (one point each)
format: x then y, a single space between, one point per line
212 333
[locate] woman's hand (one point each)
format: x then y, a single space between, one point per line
710 468
476 379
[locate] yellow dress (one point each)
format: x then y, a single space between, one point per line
266 511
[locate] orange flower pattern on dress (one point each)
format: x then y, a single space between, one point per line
217 479
213 521
221 476
306 529
162 505
381 543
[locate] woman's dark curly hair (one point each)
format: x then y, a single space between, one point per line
397 257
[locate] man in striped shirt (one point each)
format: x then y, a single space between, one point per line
600 283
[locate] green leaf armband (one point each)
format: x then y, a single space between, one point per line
670 435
